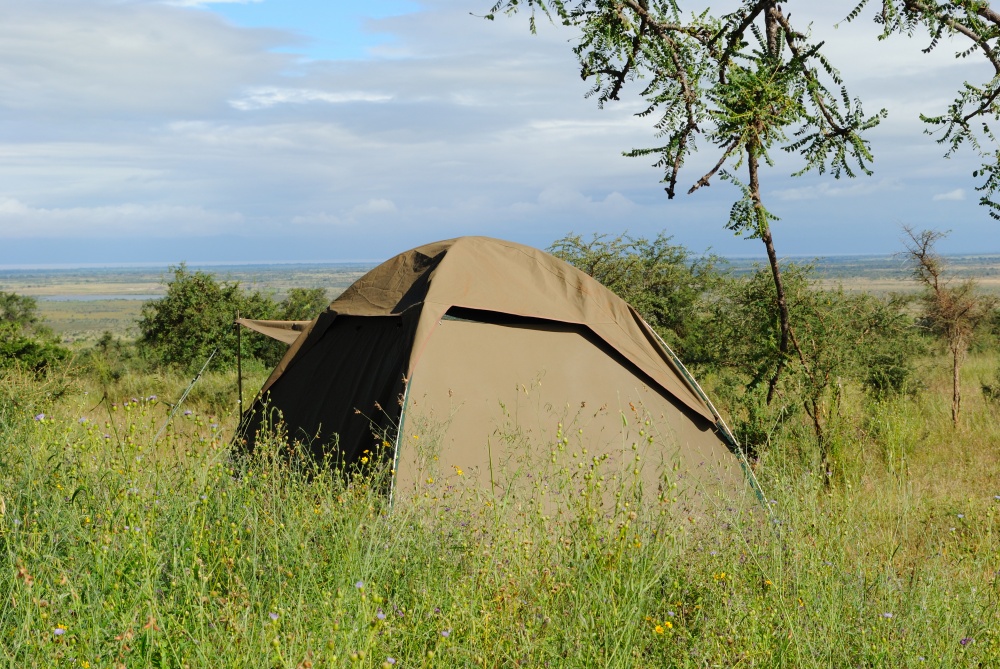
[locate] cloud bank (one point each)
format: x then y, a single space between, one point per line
148 120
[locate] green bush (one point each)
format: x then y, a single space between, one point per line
197 316
198 313
24 340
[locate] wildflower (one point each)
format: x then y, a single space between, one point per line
389 661
360 585
458 470
272 615
446 633
188 412
887 615
152 398
658 629
59 631
380 615
83 421
961 515
966 641
40 417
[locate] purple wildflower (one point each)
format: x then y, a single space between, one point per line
390 660
272 615
188 412
59 631
40 417
380 615
966 641
887 615
446 633
83 421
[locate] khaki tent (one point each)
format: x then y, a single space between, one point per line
476 357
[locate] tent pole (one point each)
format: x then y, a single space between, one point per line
239 360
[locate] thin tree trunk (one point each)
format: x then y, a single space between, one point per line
772 258
956 388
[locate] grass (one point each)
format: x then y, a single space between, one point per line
121 552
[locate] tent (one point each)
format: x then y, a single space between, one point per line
486 359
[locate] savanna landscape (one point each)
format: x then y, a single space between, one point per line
130 540
862 391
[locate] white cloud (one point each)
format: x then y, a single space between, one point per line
19 220
564 198
318 219
264 97
957 194
69 61
375 206
827 189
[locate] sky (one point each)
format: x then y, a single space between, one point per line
162 131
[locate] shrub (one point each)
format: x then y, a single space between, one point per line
197 316
24 340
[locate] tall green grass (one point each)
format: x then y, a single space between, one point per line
118 551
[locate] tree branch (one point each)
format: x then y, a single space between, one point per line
704 181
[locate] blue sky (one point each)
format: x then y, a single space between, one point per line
331 29
298 130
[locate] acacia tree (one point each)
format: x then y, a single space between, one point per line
746 83
952 310
976 106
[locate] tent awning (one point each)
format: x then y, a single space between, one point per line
286 331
